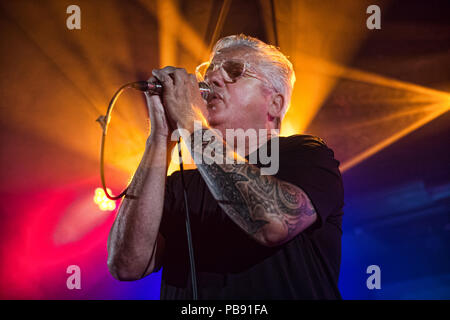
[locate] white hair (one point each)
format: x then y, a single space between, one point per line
274 66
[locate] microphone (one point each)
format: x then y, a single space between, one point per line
157 88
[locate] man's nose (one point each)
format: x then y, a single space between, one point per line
216 78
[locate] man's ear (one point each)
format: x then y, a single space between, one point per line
276 106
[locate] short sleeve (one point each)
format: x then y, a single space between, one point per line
311 166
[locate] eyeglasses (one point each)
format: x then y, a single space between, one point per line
232 70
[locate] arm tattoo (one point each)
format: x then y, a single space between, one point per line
253 200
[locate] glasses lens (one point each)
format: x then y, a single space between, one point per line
234 69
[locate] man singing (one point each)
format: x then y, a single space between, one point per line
254 236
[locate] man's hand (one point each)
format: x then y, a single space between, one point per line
181 96
161 129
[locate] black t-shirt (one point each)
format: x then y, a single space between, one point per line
230 264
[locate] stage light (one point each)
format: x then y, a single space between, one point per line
102 201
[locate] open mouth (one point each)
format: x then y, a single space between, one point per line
214 100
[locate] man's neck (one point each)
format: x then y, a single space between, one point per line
262 136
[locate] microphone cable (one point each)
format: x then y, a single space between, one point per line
188 228
104 123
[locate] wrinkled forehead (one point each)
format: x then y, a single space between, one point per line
241 53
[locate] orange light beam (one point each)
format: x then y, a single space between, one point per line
391 117
219 25
386 142
177 28
333 69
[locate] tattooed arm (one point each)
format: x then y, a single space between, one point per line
272 211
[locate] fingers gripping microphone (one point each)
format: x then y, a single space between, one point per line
156 88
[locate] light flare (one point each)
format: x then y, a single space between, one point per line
103 202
